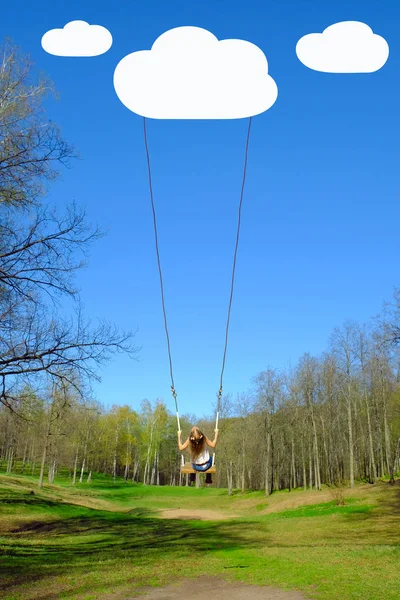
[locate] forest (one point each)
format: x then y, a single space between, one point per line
332 420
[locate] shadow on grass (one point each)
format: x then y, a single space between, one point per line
72 539
391 503
61 546
31 501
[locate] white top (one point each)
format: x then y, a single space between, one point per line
203 457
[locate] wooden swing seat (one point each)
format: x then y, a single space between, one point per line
187 468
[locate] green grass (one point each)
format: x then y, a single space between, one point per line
352 507
92 540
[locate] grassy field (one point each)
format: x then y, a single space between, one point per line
108 541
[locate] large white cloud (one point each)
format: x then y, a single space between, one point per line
77 38
189 74
346 47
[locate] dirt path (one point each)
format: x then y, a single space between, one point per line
198 514
295 502
223 590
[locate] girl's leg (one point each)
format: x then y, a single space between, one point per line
208 478
192 477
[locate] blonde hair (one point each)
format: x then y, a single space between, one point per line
197 441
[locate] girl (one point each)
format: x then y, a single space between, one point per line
199 455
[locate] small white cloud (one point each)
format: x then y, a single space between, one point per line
77 38
346 47
189 74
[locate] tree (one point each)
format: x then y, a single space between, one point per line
344 345
58 404
30 144
37 264
153 422
268 386
40 252
308 384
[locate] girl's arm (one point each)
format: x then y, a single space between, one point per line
180 445
214 443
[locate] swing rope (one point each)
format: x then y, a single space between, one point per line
159 268
234 267
174 394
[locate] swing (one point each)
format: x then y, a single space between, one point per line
186 467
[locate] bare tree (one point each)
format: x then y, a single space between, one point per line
268 387
58 404
39 257
40 251
31 145
345 344
308 384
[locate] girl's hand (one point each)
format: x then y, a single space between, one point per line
179 433
215 430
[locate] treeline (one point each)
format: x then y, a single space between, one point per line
330 420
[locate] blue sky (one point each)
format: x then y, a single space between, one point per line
319 239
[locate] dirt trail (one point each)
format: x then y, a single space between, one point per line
299 501
223 590
198 514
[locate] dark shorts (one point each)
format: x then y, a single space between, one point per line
202 468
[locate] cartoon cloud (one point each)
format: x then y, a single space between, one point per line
346 47
190 74
77 38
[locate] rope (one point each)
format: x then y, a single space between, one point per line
159 266
233 268
234 265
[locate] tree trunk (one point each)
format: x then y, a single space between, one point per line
370 443
381 458
153 470
115 453
25 455
10 460
243 467
128 453
350 434
230 477
75 465
45 448
135 469
327 475
52 471
40 484
317 475
389 461
267 464
277 477
303 459
237 475
32 457
147 465
294 482
397 457
82 469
